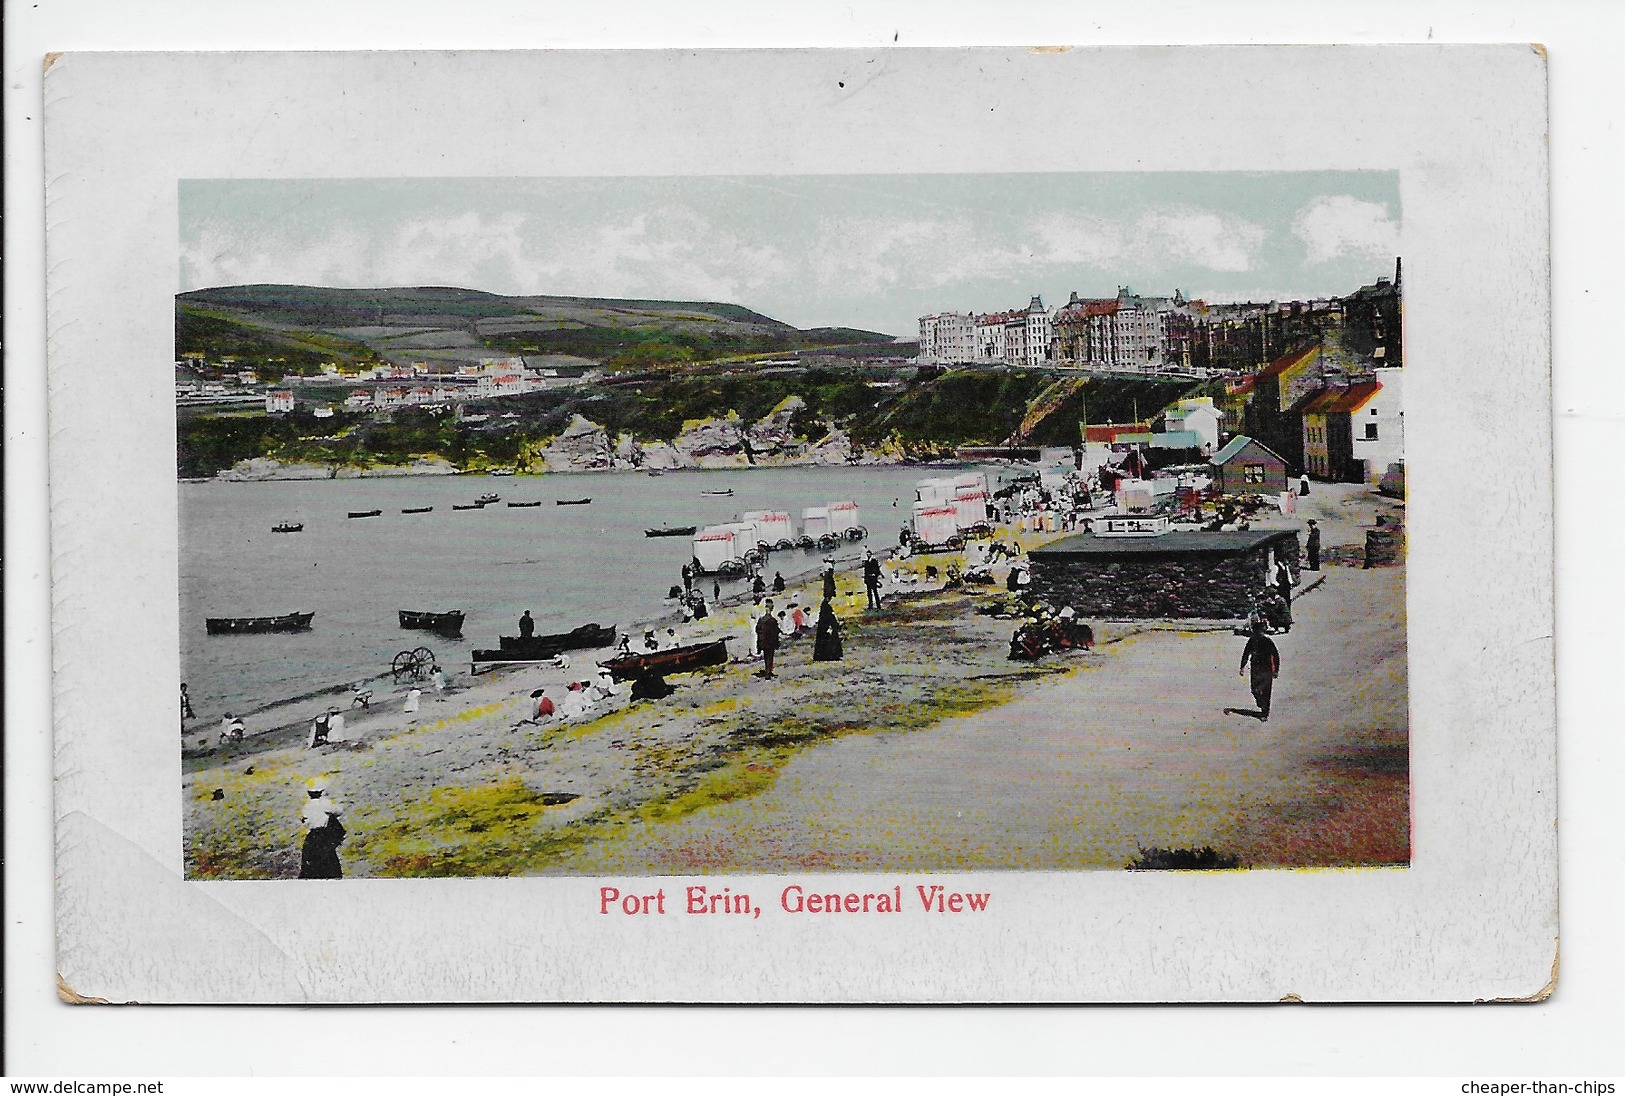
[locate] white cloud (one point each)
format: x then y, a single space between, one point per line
1198 237
1333 226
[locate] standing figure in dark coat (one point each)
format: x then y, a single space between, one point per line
1303 486
757 588
767 639
527 626
319 856
1283 587
827 638
778 582
829 580
1312 546
1266 663
871 579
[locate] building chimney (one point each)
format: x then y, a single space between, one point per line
1396 271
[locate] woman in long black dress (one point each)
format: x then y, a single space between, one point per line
827 639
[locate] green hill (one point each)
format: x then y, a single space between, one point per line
299 327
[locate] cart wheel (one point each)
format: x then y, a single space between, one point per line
955 543
414 664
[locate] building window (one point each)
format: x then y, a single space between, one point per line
1370 431
1252 473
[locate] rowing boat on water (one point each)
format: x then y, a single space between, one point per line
467 506
288 527
446 624
538 502
571 502
671 531
236 626
365 513
417 509
675 660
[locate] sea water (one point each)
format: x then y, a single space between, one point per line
567 565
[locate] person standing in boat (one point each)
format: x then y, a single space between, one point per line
827 640
319 856
527 626
767 638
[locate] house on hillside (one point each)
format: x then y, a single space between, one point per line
1248 467
278 401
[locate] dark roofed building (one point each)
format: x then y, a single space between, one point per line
1173 576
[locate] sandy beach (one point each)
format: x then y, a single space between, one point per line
923 749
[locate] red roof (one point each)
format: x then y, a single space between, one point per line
1082 310
1106 433
1341 401
1287 361
1242 386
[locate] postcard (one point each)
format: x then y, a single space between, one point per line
802 526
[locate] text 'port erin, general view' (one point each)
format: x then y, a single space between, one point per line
864 523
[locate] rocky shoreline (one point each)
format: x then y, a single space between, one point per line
586 446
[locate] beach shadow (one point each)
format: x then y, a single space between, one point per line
1251 713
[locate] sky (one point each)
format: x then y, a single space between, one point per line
874 252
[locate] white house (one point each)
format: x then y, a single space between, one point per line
278 401
1378 428
1196 416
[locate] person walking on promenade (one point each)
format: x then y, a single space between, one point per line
871 578
1266 665
1312 546
827 639
829 578
767 638
527 626
716 590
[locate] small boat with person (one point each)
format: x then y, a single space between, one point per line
673 660
446 624
572 502
511 649
671 531
289 527
364 513
239 626
487 499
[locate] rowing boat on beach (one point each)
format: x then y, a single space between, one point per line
675 660
513 649
237 626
